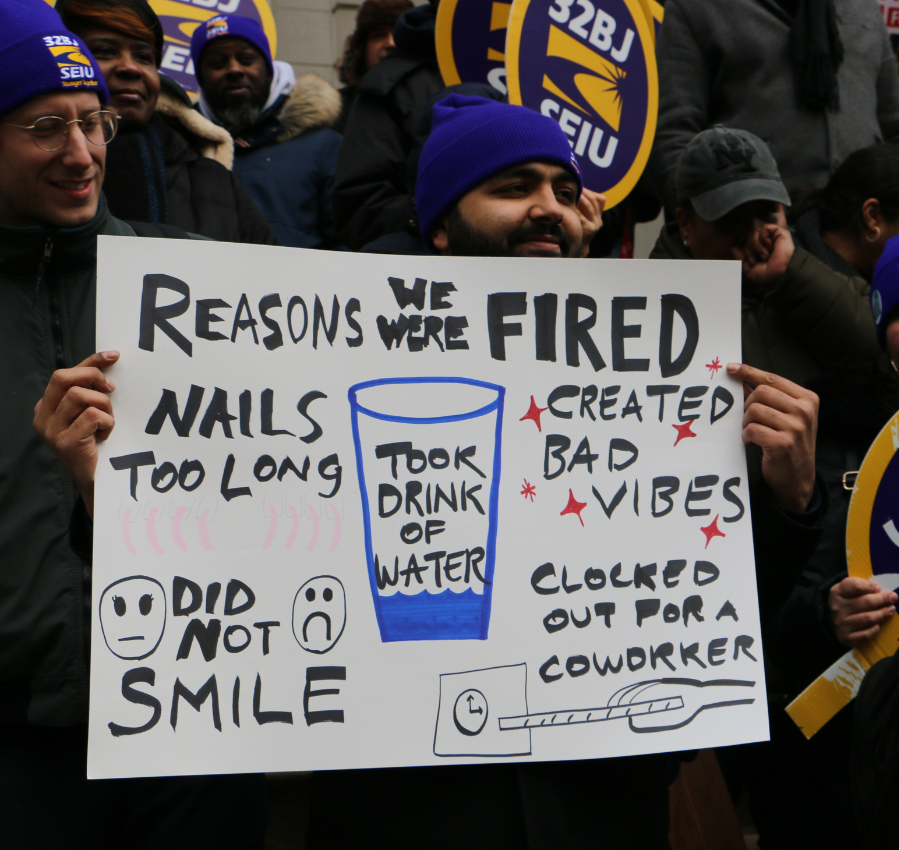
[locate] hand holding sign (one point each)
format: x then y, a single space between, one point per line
858 607
782 419
75 414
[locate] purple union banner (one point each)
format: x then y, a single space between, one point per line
591 67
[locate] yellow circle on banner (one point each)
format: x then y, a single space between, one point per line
443 39
858 531
617 193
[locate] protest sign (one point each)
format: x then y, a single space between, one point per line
470 37
362 510
591 67
872 542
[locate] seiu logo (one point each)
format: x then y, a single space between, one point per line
216 27
59 41
72 63
76 73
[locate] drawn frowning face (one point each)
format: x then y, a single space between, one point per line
319 614
132 616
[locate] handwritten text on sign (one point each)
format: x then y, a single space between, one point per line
369 511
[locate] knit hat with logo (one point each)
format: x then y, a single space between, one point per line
38 55
229 26
473 138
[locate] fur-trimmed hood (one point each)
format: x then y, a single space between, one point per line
312 103
207 138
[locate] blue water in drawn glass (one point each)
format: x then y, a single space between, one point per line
390 410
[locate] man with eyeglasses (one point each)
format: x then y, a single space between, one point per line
54 128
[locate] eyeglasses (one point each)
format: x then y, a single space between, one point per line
50 133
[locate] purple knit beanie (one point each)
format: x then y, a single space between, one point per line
473 138
39 55
229 26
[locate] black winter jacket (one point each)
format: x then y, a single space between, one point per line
370 192
47 322
180 163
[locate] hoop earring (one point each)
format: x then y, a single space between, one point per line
876 235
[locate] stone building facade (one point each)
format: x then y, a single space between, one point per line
311 33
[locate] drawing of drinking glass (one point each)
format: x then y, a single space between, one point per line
428 456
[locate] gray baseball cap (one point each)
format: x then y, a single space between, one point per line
723 168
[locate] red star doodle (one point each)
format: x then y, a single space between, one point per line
533 414
713 367
574 507
711 530
683 431
528 491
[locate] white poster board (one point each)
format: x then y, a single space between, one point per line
522 533
890 11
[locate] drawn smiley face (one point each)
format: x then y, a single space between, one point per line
132 616
319 614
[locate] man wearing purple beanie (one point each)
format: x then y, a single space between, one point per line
285 150
500 180
54 129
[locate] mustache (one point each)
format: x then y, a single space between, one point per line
536 228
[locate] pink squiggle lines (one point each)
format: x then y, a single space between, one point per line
152 539
272 528
180 513
294 528
126 532
338 529
203 530
314 539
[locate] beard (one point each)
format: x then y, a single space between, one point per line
465 241
240 116
237 118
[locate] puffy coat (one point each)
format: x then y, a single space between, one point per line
177 170
47 322
287 162
370 190
729 63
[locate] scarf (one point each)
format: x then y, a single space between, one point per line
135 181
816 53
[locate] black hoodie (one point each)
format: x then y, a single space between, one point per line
370 194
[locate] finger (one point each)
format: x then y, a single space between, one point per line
101 359
858 638
759 377
74 403
62 380
768 396
867 619
778 440
83 431
854 586
792 423
865 604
